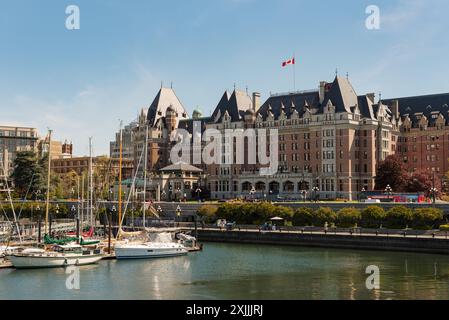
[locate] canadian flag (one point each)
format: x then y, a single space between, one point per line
286 63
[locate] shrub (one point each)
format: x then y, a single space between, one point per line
399 217
373 217
323 215
208 213
426 218
348 217
444 227
303 217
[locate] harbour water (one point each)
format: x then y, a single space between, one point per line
231 271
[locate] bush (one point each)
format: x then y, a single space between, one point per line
323 215
208 213
426 218
373 217
399 217
250 213
348 217
444 227
303 217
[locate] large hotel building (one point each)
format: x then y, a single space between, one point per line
331 139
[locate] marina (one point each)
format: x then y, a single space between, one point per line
235 271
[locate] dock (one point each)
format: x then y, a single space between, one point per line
5 264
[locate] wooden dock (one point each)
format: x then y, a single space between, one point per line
5 264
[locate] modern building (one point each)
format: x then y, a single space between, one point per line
13 140
127 142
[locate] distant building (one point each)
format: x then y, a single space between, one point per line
127 143
80 165
331 141
13 140
59 150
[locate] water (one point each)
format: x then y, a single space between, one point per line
228 271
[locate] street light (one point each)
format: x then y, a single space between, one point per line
388 191
198 193
363 192
315 191
252 192
433 192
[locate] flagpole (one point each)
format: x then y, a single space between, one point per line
294 73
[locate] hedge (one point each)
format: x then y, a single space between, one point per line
398 217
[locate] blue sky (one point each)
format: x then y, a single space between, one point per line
81 82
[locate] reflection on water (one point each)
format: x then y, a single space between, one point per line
226 271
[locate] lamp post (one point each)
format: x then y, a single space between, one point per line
304 195
198 193
362 193
252 192
39 222
178 213
315 193
389 191
433 192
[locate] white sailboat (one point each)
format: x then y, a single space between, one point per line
145 249
58 256
54 255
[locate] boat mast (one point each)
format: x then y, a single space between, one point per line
90 201
120 180
47 203
8 192
145 174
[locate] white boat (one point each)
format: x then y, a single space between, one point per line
149 250
5 250
59 256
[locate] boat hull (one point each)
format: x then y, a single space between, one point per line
148 253
29 262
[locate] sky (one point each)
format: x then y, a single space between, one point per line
81 82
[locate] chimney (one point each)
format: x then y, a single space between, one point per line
371 96
395 108
256 101
322 90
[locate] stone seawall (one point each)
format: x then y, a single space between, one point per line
357 242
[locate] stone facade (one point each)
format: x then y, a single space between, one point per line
330 139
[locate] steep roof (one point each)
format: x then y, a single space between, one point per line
181 166
166 98
416 107
290 102
235 105
341 94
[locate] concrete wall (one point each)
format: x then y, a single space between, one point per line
435 246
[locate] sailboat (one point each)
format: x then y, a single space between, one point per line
60 253
143 249
57 256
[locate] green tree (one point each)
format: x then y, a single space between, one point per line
28 175
323 215
399 217
373 217
427 218
303 217
208 213
348 217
